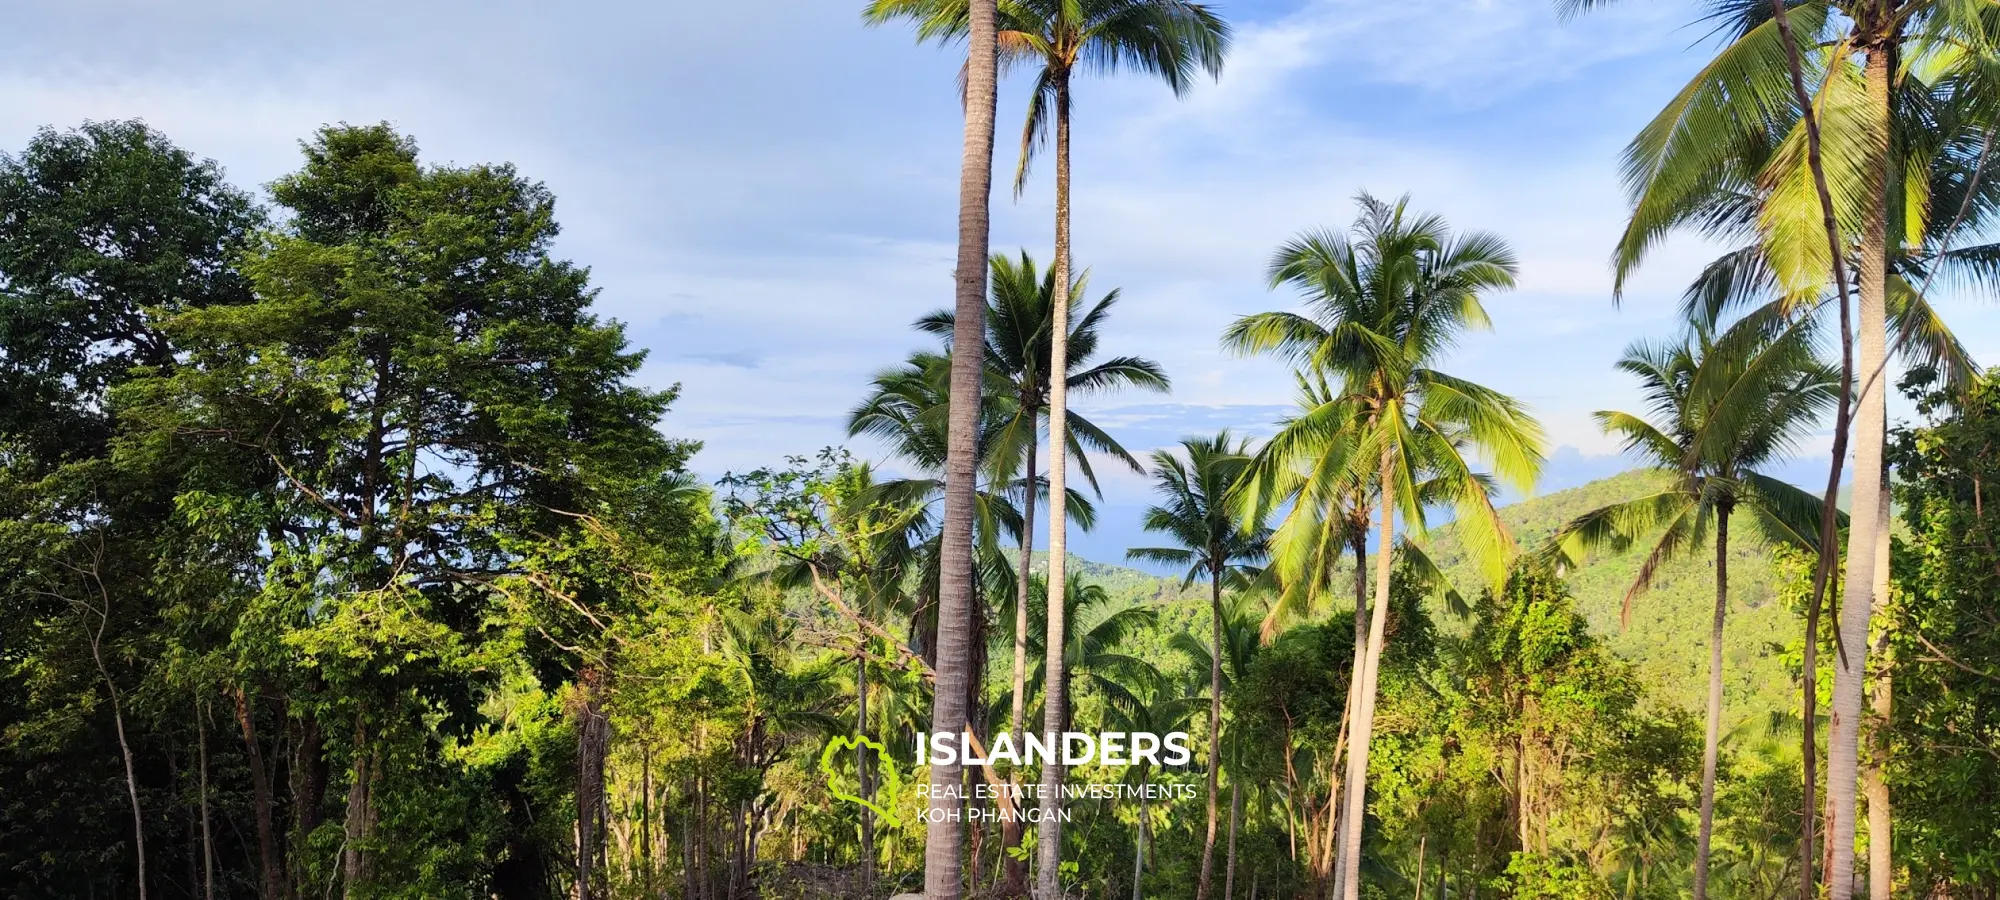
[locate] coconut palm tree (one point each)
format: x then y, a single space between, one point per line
1962 191
1242 637
1215 546
1383 308
1169 39
1721 407
1827 167
1019 341
1147 702
1307 470
979 25
1095 657
908 409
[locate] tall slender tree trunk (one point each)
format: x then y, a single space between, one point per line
1870 421
1881 860
260 793
1422 841
357 858
1360 548
1235 824
593 739
1829 514
1013 830
690 866
1139 856
1055 690
1364 708
646 819
207 833
308 778
1201 891
124 746
1712 742
943 864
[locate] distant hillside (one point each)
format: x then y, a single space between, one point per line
1120 582
1668 635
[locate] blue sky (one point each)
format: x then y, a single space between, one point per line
766 191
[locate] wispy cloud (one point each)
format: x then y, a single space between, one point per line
766 192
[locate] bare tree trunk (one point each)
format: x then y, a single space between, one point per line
1013 830
1712 742
646 819
1235 823
1139 856
1881 860
1364 706
943 866
1214 728
260 792
1829 514
1870 421
308 779
207 832
124 746
1055 691
593 739
1422 840
356 859
689 867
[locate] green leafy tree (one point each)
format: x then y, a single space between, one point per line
1943 642
104 230
1565 731
1721 407
1384 307
418 388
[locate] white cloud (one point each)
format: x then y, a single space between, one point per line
766 191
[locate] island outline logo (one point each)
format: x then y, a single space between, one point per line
891 783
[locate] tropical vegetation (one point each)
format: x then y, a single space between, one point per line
345 553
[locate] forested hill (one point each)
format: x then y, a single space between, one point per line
1667 636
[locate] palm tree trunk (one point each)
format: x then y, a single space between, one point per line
1712 743
942 862
1235 824
1016 870
1360 547
1364 708
1055 699
1881 862
1201 890
1829 515
1870 420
